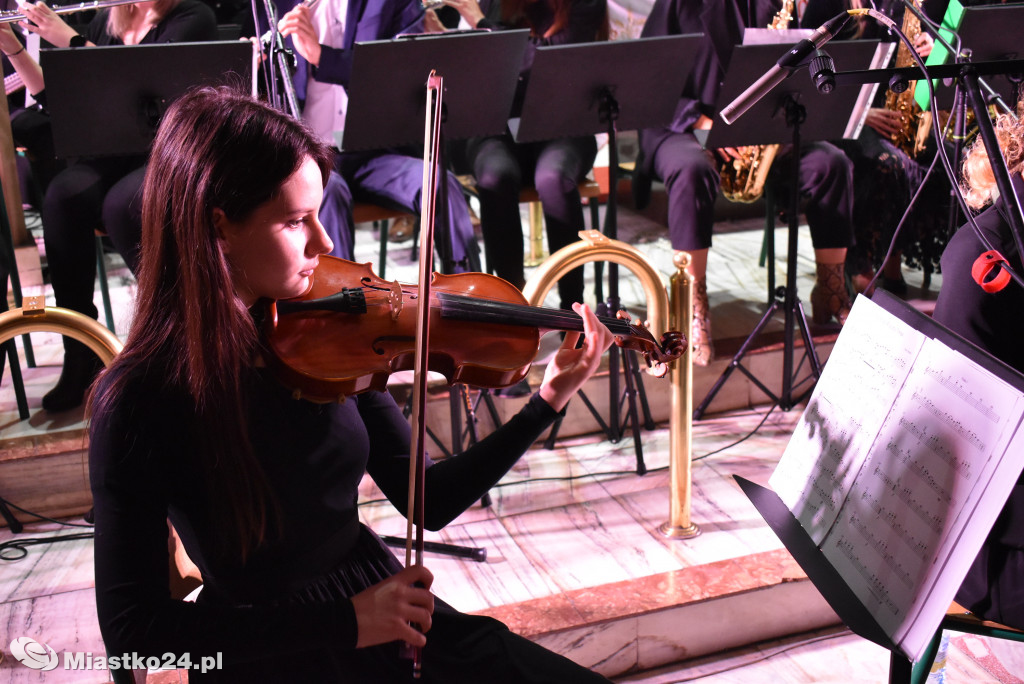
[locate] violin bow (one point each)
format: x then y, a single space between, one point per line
417 461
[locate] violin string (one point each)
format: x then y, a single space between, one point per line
524 314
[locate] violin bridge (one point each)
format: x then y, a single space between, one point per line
395 300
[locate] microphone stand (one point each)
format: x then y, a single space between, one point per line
281 60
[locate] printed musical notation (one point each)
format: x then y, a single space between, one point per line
874 582
963 430
959 390
893 460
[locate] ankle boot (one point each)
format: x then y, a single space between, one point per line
829 298
80 368
703 351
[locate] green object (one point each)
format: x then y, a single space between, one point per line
940 55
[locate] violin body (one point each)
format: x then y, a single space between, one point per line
325 355
352 330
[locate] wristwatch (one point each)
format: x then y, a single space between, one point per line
77 41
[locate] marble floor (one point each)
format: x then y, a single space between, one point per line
574 555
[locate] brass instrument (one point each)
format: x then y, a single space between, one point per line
915 125
743 179
13 15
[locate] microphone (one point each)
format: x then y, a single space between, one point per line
788 63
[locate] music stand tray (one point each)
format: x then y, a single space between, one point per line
990 33
109 100
568 83
480 71
765 122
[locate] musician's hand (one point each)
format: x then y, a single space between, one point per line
42 20
469 9
571 367
298 23
923 44
730 153
704 123
9 42
385 610
431 24
885 121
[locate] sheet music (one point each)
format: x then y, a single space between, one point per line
876 352
917 488
899 467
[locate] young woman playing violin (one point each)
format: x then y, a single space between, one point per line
189 425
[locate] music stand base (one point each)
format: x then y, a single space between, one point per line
468 552
786 401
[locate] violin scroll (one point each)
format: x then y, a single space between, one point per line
657 354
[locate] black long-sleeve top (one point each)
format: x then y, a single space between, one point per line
144 469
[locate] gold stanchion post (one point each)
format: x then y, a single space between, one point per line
679 525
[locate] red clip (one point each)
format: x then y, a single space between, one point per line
983 268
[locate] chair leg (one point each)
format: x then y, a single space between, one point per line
101 271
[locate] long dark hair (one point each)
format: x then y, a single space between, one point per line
217 148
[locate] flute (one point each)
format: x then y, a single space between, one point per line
8 16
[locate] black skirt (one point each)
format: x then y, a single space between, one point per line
460 648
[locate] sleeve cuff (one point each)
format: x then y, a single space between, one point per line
542 409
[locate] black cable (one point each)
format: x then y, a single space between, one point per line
741 439
614 473
941 150
15 549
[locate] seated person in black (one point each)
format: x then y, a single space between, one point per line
692 174
189 425
994 587
74 200
502 167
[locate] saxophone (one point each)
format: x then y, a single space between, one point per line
743 179
915 125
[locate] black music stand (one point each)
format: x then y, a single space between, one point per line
820 571
480 70
989 34
591 88
780 117
109 100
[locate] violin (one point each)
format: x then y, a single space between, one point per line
353 329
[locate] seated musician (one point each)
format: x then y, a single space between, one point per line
993 589
73 205
189 424
323 36
692 174
502 167
891 157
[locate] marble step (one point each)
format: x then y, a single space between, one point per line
648 622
